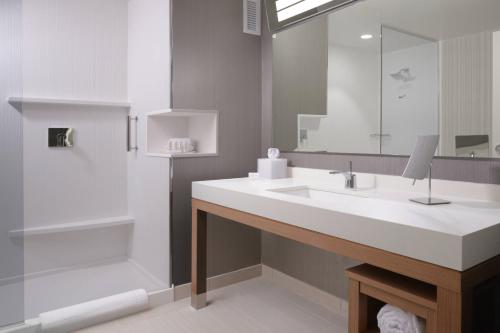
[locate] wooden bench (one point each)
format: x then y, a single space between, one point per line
370 288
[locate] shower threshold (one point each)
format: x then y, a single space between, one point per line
53 290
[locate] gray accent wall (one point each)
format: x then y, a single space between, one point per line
216 66
300 70
319 268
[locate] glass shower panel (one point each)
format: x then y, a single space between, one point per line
410 90
80 217
11 165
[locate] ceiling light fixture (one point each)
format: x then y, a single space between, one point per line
366 36
283 14
290 8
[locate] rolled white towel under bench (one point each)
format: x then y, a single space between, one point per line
392 319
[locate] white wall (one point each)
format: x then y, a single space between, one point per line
74 49
149 89
353 99
409 109
11 197
496 94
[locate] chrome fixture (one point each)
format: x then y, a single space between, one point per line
403 75
420 166
350 177
131 119
61 137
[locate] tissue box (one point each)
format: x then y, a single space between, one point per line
272 168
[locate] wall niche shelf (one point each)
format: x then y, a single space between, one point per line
74 226
199 125
18 102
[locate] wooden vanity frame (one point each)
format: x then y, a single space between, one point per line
454 288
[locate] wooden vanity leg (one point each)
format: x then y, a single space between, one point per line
358 308
449 311
199 259
467 311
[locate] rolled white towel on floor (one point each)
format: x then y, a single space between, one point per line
82 315
392 319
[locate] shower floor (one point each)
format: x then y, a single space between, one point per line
50 291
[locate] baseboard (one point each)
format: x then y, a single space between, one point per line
161 297
313 294
219 281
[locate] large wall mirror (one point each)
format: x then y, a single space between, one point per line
373 76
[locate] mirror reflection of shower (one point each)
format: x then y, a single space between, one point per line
404 75
410 89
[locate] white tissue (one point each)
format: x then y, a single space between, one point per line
272 168
392 319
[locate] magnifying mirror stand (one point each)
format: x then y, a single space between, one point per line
430 201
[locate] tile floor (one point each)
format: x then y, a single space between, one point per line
256 305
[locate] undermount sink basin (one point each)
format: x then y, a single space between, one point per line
316 193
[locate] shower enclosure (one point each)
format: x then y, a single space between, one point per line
11 186
410 90
81 216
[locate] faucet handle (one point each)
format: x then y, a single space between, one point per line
351 183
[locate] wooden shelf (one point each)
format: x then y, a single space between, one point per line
402 286
371 287
73 226
19 101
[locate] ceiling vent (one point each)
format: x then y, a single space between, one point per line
251 17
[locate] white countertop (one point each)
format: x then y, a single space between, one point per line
458 236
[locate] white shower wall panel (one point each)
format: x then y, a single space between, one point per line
85 182
58 251
11 195
149 177
75 49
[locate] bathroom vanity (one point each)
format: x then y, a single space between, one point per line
453 248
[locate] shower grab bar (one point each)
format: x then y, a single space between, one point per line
129 130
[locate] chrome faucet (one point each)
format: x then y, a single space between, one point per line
350 177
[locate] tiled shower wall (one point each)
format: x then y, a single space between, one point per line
319 268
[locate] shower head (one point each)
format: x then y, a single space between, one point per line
403 75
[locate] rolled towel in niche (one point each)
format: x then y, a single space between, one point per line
392 319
